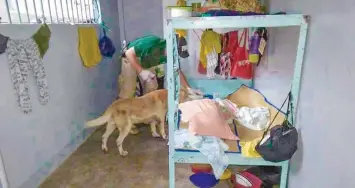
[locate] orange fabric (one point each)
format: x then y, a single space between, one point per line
205 118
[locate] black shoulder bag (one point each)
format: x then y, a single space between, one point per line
282 143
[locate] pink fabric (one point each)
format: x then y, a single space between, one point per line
206 119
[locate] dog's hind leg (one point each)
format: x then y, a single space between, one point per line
110 127
162 125
153 128
124 131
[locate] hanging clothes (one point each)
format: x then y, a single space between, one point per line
89 46
3 43
224 60
239 54
209 40
42 37
182 47
23 55
212 62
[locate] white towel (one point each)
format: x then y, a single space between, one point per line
254 118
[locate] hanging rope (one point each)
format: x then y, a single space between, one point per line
98 15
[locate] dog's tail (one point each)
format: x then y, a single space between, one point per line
99 121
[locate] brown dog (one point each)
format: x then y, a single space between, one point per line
124 113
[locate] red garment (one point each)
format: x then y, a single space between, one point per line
239 55
201 69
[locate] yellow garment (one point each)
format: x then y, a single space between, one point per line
248 148
242 5
226 175
180 3
89 46
209 40
180 32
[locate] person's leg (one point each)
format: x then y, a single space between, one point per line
126 80
127 84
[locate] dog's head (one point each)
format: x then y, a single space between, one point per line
184 94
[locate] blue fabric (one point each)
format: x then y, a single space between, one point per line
234 13
203 180
106 46
229 13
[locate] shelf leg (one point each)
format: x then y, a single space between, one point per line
284 175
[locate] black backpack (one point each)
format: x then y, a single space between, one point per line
282 143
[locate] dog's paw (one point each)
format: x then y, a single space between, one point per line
104 148
123 153
155 135
165 137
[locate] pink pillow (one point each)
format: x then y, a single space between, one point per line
206 119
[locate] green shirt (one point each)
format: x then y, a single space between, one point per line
150 50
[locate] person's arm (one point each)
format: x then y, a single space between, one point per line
132 58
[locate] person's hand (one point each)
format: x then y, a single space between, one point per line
149 81
146 76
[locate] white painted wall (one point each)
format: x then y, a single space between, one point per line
34 144
140 17
326 113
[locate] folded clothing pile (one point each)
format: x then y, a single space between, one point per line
208 125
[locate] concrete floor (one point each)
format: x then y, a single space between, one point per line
146 165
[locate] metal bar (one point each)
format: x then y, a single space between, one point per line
192 157
90 10
18 12
28 15
8 11
61 7
50 11
238 21
296 80
284 174
86 12
81 11
98 19
171 102
56 10
72 10
35 9
43 15
66 2
77 10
